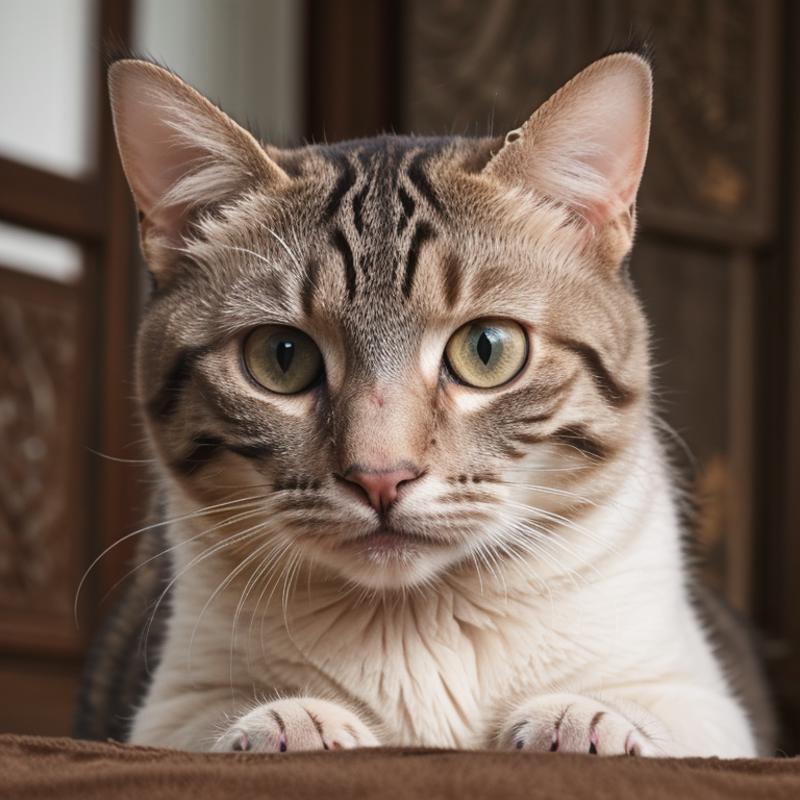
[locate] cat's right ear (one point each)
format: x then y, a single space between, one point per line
180 153
586 146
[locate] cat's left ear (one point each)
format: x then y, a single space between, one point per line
586 146
181 154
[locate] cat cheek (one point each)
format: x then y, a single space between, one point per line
467 400
430 360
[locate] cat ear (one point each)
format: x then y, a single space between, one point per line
586 146
180 153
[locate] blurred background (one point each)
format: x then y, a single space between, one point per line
717 262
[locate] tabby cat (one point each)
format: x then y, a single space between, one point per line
399 392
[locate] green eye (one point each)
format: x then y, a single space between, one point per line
487 352
282 359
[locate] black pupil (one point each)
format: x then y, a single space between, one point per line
284 353
484 348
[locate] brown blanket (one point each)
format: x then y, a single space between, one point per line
64 768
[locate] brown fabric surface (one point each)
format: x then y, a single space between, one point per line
32 767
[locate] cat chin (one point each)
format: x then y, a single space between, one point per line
386 568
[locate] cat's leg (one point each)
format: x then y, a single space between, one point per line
668 720
300 723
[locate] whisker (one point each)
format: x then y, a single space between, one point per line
542 539
237 538
561 520
256 511
223 585
192 515
118 460
285 246
535 547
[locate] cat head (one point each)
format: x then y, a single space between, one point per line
394 357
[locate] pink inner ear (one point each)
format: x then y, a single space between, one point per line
616 124
586 146
154 156
180 152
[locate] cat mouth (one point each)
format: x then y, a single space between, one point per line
380 540
390 540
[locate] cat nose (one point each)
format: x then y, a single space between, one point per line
380 486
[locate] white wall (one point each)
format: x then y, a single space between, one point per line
48 56
246 55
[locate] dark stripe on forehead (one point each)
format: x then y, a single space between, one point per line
309 286
451 278
358 209
417 175
165 403
339 241
345 181
422 233
607 385
408 205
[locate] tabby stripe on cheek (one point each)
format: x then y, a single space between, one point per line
422 233
527 438
165 402
309 287
606 384
339 241
347 177
577 436
508 450
417 176
536 403
205 448
255 452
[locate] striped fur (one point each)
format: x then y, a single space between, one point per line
537 551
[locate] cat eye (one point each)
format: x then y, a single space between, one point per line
486 353
282 359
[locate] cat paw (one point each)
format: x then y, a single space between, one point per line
571 723
296 724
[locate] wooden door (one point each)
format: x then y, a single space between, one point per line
67 303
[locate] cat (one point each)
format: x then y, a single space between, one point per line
400 396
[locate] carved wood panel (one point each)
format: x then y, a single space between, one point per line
711 169
42 453
475 67
65 356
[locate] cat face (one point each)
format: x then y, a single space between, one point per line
412 356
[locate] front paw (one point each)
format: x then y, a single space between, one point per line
296 724
572 723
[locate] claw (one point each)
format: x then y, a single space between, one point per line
242 742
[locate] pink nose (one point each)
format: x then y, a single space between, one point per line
380 486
